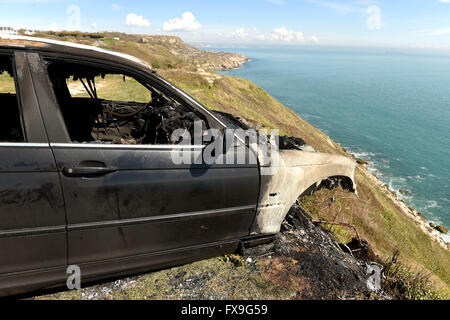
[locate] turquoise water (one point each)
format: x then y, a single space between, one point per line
391 109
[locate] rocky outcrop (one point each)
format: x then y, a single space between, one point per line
411 213
442 229
203 58
224 60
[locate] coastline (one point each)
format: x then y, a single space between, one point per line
424 224
239 65
194 74
406 209
442 239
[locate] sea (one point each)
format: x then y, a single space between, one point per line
388 107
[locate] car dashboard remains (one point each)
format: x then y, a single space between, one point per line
91 119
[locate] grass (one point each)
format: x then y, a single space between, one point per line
404 283
114 87
387 230
7 83
110 41
376 217
226 277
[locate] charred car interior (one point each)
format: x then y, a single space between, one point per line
90 118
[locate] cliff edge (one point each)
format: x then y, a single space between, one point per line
381 220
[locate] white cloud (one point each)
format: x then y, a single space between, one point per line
187 22
261 37
137 21
315 39
116 7
240 33
94 25
444 1
283 34
299 36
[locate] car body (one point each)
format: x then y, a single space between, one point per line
120 209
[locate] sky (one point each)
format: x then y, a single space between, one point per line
380 23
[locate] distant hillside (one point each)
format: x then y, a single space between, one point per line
160 51
379 217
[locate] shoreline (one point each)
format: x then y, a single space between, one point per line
241 64
411 213
424 224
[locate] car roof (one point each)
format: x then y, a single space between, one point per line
55 46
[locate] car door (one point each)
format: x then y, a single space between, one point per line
32 214
128 200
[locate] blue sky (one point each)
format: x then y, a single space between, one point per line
384 23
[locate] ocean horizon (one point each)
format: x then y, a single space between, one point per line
390 108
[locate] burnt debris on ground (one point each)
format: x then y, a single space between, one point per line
303 262
329 272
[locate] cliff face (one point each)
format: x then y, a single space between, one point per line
202 58
378 217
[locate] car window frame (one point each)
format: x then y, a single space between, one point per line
144 79
11 55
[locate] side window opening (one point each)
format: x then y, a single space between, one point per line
105 106
10 123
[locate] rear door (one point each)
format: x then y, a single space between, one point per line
127 200
32 215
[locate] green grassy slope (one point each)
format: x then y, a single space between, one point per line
377 218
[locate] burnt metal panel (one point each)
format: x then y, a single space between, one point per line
137 238
146 214
148 183
30 199
145 183
32 214
25 253
31 116
51 113
150 204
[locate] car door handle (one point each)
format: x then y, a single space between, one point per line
88 171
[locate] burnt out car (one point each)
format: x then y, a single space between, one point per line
87 177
